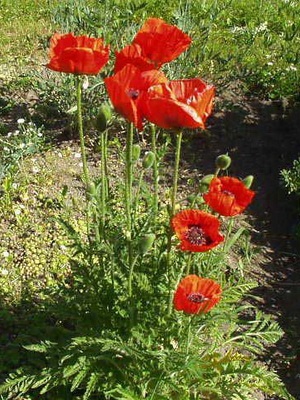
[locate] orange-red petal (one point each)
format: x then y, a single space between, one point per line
132 54
206 224
77 54
179 104
207 291
126 89
228 196
161 42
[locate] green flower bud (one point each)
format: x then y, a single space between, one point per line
136 151
248 181
103 117
205 182
191 198
148 160
92 190
145 243
223 161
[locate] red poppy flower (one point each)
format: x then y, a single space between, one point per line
228 196
77 54
132 54
125 90
197 230
196 295
161 42
179 104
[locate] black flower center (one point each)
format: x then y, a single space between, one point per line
196 235
197 297
133 93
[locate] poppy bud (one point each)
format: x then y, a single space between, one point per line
191 199
145 243
248 181
91 190
205 182
136 151
223 161
148 160
103 117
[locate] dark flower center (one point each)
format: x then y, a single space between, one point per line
197 297
196 235
133 93
228 193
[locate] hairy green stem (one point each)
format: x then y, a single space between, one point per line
103 180
176 171
155 172
128 201
170 270
80 130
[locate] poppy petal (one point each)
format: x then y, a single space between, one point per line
160 41
228 196
196 295
77 54
197 230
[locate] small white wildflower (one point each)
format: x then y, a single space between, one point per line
35 170
60 155
21 121
9 134
16 132
22 145
5 254
85 84
4 272
5 148
15 185
270 63
77 155
291 68
17 211
40 134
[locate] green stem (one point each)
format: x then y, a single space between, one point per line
81 135
176 171
103 180
128 201
137 194
170 271
188 264
155 172
217 171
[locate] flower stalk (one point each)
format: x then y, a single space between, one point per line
80 130
170 271
128 204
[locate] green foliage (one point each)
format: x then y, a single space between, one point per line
27 140
291 177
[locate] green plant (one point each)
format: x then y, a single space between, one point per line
291 177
